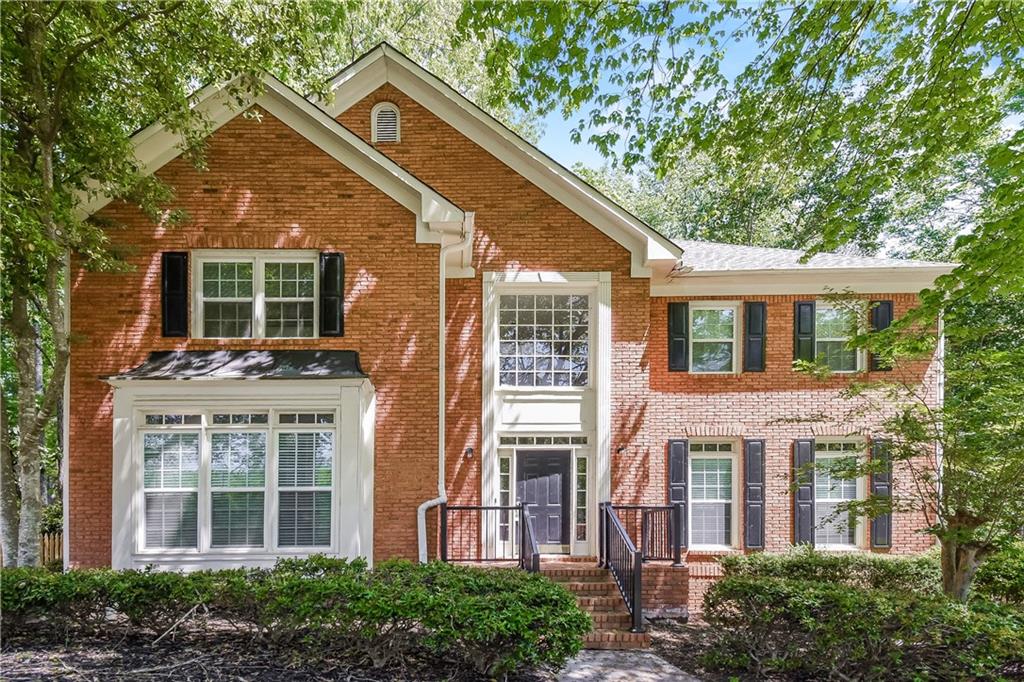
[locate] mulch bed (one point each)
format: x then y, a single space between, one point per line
212 656
682 645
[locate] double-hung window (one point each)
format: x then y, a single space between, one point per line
832 329
218 481
833 525
712 494
544 340
713 338
256 294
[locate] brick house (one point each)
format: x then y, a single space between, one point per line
389 301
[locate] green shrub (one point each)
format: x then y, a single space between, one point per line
819 630
920 574
488 621
1001 575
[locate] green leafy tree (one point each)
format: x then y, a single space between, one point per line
78 79
865 108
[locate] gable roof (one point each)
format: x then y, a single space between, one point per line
385 64
435 214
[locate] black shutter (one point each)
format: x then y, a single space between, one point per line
803 496
755 318
174 293
753 494
881 486
332 294
881 318
803 331
678 337
678 464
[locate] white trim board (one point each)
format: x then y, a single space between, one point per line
384 64
887 280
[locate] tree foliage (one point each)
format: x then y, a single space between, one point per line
863 108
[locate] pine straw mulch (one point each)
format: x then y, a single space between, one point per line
209 656
682 644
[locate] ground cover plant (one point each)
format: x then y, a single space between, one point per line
397 618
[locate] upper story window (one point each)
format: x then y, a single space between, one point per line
544 340
713 338
832 331
833 527
385 123
256 294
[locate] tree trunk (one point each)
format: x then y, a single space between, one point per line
959 564
29 460
8 496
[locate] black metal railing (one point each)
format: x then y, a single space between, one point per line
657 527
620 556
482 533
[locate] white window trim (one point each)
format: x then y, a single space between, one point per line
352 401
373 121
862 354
547 290
736 345
599 284
270 488
859 531
734 522
258 258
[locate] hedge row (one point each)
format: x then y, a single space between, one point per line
1001 575
918 574
489 621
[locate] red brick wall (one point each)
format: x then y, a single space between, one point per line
266 187
769 405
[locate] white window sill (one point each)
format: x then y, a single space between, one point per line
532 390
713 549
838 548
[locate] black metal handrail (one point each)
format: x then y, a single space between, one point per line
530 556
473 532
620 556
657 527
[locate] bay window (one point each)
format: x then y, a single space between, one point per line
229 481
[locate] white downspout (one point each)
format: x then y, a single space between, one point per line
465 235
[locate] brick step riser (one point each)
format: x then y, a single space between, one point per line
591 589
609 620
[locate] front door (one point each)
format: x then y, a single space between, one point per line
542 482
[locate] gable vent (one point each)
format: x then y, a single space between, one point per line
385 123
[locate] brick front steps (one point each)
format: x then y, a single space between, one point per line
597 594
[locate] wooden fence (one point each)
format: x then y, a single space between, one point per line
51 548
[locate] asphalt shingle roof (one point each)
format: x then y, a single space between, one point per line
248 364
714 256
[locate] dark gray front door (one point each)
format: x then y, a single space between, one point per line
543 484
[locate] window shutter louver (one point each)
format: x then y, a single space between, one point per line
803 496
386 125
678 464
678 337
881 318
803 331
332 294
174 293
756 321
881 486
753 494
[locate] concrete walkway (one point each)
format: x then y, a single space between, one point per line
622 666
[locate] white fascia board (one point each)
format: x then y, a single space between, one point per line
385 65
887 280
155 146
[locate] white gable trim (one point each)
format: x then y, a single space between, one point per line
155 146
386 65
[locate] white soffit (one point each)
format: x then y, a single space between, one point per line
155 146
384 64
